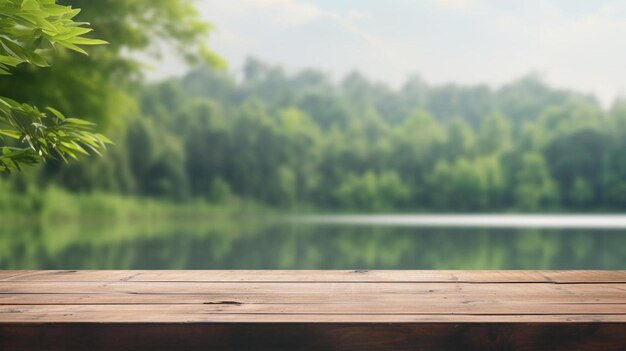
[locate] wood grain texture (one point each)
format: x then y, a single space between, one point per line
313 310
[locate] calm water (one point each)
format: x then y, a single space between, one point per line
383 242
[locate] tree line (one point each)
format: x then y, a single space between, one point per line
305 140
302 139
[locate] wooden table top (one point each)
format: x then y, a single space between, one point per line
270 296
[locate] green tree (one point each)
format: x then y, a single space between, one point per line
372 191
301 139
207 144
460 139
220 190
102 86
459 185
534 187
494 135
577 155
581 193
415 147
29 31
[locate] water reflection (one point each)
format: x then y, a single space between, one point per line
248 244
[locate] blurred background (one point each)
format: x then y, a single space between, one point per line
230 118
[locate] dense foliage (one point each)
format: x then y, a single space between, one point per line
301 139
360 145
29 31
98 87
305 140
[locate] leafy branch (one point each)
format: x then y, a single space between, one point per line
29 31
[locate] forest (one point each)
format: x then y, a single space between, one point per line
306 140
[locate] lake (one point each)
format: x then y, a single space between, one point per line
322 242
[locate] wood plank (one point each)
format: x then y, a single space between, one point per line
514 297
191 315
228 288
96 313
313 310
491 276
131 318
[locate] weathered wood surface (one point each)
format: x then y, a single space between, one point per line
313 310
335 276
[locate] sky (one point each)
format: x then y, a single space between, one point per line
575 44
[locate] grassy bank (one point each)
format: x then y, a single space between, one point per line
37 225
53 204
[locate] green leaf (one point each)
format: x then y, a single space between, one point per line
12 48
72 32
10 60
78 121
103 138
87 41
72 47
57 10
11 133
39 21
37 60
31 5
56 113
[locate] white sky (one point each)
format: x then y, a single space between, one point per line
576 44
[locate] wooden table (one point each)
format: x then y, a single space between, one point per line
313 310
